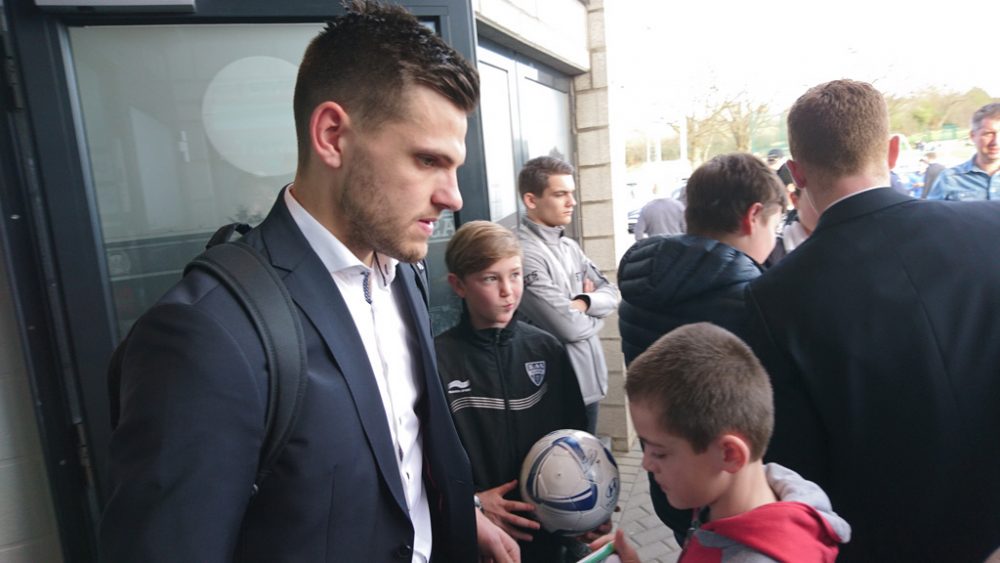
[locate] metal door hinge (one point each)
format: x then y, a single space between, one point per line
13 96
83 453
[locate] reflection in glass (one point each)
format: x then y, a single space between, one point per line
187 128
498 145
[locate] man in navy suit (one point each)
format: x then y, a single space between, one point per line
881 334
374 470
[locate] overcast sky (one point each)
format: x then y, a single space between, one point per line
664 54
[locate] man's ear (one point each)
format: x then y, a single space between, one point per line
748 223
456 285
327 127
734 452
529 200
893 151
797 173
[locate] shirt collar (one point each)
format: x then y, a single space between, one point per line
548 234
335 256
971 166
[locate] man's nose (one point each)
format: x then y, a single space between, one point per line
448 196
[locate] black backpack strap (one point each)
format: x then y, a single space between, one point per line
115 380
263 294
226 233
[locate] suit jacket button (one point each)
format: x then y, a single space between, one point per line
404 552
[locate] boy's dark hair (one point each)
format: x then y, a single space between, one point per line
478 244
369 59
705 382
720 191
534 177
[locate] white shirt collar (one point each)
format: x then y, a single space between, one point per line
335 256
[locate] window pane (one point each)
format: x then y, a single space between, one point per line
498 143
187 128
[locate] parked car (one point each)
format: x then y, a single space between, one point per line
633 217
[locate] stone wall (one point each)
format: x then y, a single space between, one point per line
600 159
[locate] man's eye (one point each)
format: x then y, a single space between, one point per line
426 161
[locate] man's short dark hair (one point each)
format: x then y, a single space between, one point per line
840 128
368 59
720 191
534 177
704 382
989 111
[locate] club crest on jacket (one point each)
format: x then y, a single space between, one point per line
536 371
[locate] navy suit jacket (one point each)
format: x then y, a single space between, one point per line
881 334
194 393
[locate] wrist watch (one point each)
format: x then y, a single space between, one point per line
479 503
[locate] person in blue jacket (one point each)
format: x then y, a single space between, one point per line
734 207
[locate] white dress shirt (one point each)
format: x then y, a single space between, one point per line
388 333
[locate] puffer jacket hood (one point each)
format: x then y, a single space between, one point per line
669 281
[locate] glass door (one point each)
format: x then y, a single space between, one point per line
188 127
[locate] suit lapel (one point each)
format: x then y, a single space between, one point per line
439 436
322 304
421 322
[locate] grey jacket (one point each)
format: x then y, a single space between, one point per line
548 290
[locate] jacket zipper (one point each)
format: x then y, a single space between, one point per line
502 376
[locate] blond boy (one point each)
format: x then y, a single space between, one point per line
508 383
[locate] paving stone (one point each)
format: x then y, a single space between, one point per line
634 514
652 535
632 528
651 521
650 551
630 469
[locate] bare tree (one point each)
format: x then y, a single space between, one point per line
742 117
723 123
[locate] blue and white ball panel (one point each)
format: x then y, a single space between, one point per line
573 481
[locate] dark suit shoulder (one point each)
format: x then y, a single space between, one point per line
188 438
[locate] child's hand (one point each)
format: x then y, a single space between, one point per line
624 550
500 511
597 532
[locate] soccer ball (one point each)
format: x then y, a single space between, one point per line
572 480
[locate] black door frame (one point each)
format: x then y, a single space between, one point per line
56 259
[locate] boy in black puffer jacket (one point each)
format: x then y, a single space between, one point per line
733 210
